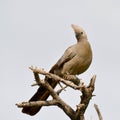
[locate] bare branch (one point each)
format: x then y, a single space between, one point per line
57 101
98 112
64 106
56 78
92 81
85 98
37 103
60 103
60 90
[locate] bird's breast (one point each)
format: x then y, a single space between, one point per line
79 63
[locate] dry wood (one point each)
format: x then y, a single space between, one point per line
77 114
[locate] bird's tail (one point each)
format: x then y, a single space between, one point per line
41 94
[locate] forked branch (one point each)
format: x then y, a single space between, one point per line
77 114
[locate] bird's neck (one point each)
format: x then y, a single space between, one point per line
81 39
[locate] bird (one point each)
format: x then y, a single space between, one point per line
75 60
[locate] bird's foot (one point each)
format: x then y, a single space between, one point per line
69 77
72 78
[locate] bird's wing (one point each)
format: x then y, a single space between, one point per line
67 56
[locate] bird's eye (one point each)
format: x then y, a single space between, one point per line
81 33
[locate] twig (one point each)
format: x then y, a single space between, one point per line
37 103
98 112
60 90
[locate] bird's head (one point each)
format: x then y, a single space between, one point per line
79 32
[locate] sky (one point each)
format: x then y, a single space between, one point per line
38 32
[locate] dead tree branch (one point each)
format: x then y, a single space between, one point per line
77 114
85 98
56 78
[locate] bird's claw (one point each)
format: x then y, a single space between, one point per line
72 78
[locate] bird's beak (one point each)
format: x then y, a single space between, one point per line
76 28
